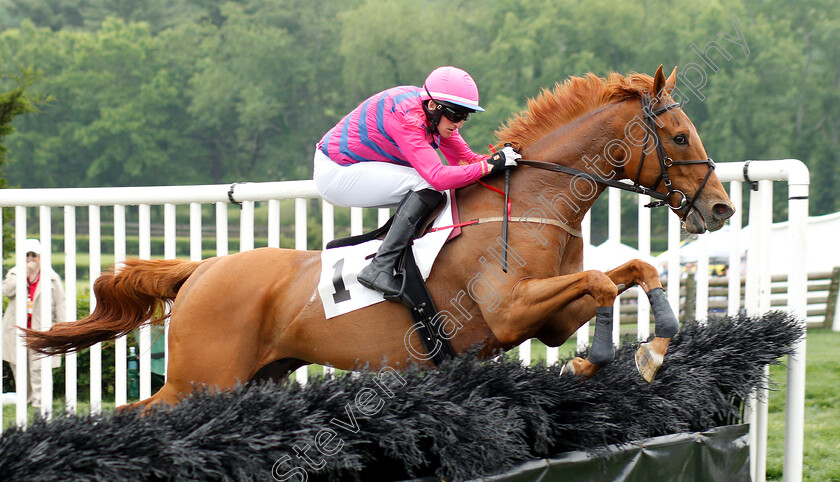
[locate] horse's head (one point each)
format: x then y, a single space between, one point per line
673 161
658 147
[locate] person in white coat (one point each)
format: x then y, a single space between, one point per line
35 282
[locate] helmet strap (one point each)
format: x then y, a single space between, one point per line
432 116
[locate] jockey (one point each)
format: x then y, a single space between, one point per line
384 154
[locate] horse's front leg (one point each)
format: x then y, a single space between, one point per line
650 355
532 302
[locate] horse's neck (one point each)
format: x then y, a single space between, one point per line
579 145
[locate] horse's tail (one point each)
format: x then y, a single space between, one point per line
135 293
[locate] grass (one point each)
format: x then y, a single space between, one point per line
9 411
822 411
822 407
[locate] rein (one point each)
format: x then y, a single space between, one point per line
665 162
639 189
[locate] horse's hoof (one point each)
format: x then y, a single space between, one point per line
580 368
568 369
648 362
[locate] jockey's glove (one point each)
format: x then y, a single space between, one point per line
503 160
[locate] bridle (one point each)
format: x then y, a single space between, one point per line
686 204
662 199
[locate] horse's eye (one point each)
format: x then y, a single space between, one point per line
681 139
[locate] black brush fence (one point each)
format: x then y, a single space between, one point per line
467 419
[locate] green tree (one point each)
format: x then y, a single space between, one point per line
111 121
243 97
53 14
13 102
817 110
197 91
90 14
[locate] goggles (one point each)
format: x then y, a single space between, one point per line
455 115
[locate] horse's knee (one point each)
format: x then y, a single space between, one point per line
644 270
636 272
601 287
647 276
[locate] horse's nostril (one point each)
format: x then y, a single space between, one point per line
723 210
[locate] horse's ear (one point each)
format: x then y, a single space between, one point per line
671 81
658 82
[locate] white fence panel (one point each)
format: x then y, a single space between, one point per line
121 200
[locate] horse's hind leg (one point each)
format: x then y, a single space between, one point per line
166 395
177 387
206 351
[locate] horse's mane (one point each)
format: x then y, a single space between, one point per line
569 100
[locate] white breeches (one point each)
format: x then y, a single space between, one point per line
365 184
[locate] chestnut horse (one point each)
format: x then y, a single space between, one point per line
258 313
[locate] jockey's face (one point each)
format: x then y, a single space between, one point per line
446 127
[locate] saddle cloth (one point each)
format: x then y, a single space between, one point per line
338 288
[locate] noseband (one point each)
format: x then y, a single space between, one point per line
663 199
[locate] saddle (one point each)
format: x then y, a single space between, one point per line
413 294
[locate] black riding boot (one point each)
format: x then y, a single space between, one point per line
410 216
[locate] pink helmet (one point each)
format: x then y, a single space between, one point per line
454 86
